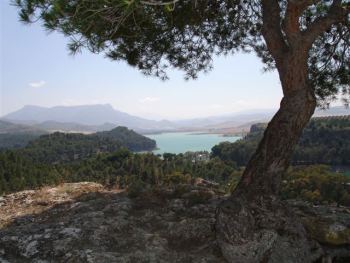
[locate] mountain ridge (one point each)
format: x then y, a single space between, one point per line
100 117
91 115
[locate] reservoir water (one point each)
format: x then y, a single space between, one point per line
181 142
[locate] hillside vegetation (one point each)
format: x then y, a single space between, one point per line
139 173
66 147
128 138
13 136
103 158
325 140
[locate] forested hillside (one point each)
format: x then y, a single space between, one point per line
66 147
326 140
13 136
122 168
147 172
128 138
59 157
16 140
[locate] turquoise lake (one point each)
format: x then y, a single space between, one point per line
181 142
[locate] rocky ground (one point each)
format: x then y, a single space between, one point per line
84 222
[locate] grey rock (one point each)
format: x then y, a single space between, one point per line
93 224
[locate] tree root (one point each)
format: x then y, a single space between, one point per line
262 229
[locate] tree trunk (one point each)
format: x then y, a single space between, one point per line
263 173
253 225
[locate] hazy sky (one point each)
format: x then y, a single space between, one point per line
36 69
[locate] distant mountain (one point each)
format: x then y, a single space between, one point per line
224 122
249 116
94 118
92 115
334 111
240 122
14 136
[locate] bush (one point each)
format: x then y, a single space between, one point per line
176 178
317 184
135 186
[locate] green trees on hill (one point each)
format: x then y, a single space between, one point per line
67 147
42 161
129 139
75 145
324 141
18 173
16 140
13 136
62 157
305 41
316 184
121 168
142 172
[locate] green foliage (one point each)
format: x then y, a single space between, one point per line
317 184
239 152
18 173
324 141
153 36
129 139
314 183
176 178
16 140
14 136
141 172
120 169
67 147
135 186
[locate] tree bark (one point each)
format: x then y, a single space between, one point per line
253 225
263 173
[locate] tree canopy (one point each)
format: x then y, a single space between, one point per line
307 41
154 35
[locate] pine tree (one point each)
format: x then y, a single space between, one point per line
307 42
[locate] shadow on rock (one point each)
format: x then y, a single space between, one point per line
99 225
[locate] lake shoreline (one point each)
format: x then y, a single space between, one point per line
181 142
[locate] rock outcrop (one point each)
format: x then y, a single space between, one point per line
85 222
